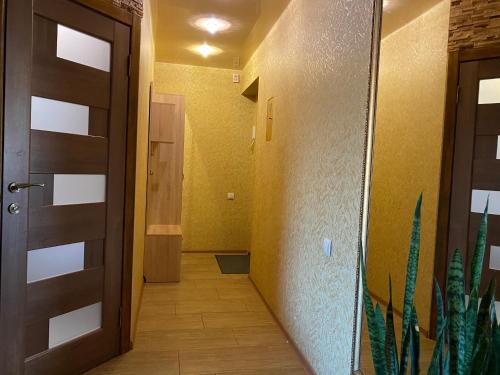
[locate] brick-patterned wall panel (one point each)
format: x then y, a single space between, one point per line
133 6
474 24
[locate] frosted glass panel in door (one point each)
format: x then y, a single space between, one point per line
79 189
55 261
69 326
56 116
489 91
83 49
495 258
498 148
479 199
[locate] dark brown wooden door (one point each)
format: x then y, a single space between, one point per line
476 168
65 120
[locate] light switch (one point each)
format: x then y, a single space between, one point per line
230 196
327 247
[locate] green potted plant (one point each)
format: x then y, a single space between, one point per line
468 335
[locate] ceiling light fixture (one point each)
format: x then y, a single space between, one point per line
212 24
205 50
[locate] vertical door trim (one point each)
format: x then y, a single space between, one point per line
130 174
17 96
447 158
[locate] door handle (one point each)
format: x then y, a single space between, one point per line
14 187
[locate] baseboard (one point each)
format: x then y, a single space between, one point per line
292 343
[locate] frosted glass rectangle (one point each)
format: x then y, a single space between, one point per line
56 116
55 261
79 189
77 323
495 258
479 199
489 91
498 148
83 49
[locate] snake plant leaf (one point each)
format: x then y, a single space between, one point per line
494 315
492 360
411 280
440 307
470 328
391 350
446 365
484 321
436 366
478 258
456 314
379 320
414 343
480 363
495 342
375 331
496 345
441 323
380 323
405 345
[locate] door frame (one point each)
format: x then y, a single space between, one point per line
443 222
106 8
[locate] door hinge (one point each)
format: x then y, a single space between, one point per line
130 65
458 94
120 313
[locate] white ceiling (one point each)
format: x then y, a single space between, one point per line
398 13
175 35
251 21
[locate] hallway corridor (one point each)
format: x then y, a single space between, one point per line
209 323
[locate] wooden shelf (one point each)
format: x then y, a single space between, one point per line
164 230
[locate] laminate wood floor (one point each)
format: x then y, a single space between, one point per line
209 323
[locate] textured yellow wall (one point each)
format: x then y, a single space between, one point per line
217 158
145 78
308 179
408 142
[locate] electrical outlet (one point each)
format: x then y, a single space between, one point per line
230 196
